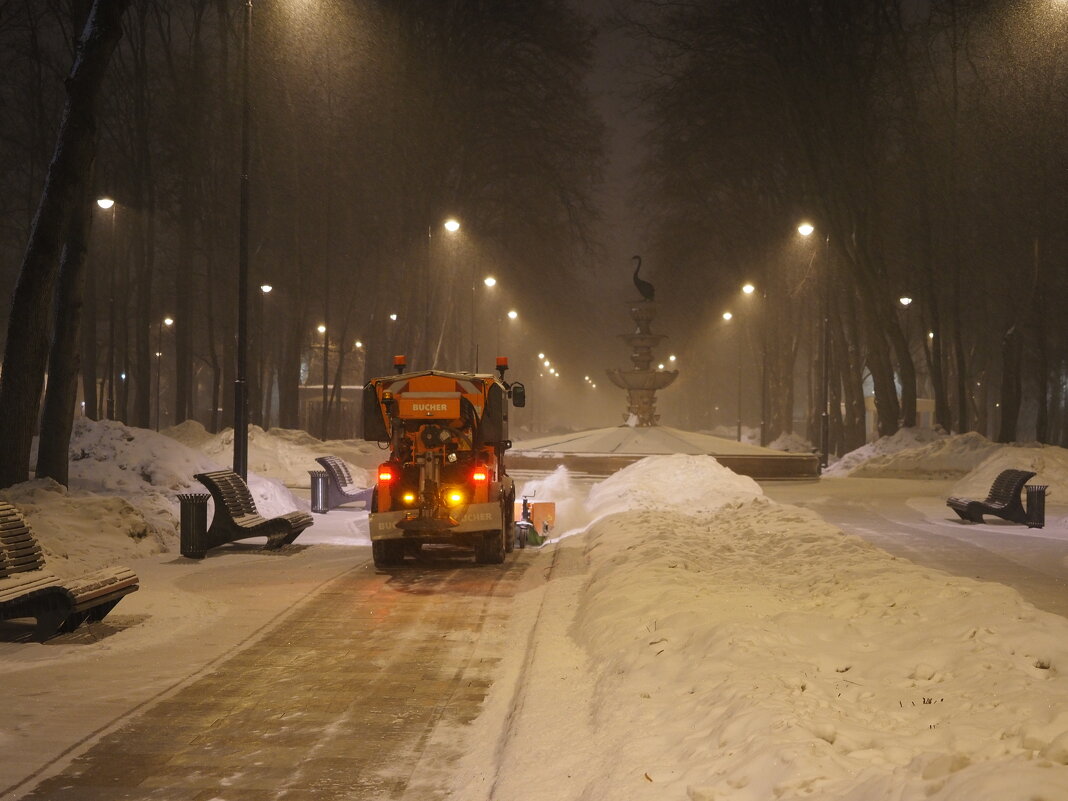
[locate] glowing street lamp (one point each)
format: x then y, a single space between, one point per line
166 321
108 204
727 316
748 290
321 328
806 229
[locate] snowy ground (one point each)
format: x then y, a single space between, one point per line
696 640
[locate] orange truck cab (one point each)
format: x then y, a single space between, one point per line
444 480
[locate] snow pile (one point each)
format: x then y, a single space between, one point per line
682 483
739 650
284 454
792 443
942 457
80 531
1048 462
917 453
905 439
123 497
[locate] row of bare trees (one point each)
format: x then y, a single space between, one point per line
371 122
923 142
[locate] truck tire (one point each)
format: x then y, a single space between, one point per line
508 516
387 553
490 549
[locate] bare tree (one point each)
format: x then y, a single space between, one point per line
26 348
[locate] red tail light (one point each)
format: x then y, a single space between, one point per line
481 474
385 473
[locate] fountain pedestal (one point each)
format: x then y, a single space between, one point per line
642 381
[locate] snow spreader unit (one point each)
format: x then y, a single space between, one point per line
444 481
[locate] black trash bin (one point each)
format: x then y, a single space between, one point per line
193 525
1036 505
320 503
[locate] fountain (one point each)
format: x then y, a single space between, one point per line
642 381
603 451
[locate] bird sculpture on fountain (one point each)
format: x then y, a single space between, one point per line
644 287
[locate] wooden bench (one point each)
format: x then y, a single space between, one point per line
236 517
1002 501
340 487
59 605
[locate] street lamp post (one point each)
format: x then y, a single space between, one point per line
738 351
749 290
490 282
108 204
241 380
512 315
166 321
326 353
451 226
806 229
263 395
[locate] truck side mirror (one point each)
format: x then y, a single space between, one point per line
519 395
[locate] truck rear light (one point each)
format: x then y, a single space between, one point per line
455 497
409 498
481 474
385 474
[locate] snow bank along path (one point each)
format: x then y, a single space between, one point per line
732 648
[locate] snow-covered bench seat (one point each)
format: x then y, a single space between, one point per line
340 486
58 605
236 517
1003 500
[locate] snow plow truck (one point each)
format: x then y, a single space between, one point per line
445 480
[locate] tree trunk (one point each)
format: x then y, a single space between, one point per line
26 350
146 309
61 393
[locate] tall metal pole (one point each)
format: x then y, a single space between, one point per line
738 348
326 378
159 365
111 370
241 383
764 410
825 355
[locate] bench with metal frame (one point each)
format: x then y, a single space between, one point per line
1003 500
59 605
340 486
236 517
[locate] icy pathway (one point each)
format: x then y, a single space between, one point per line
910 519
337 700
